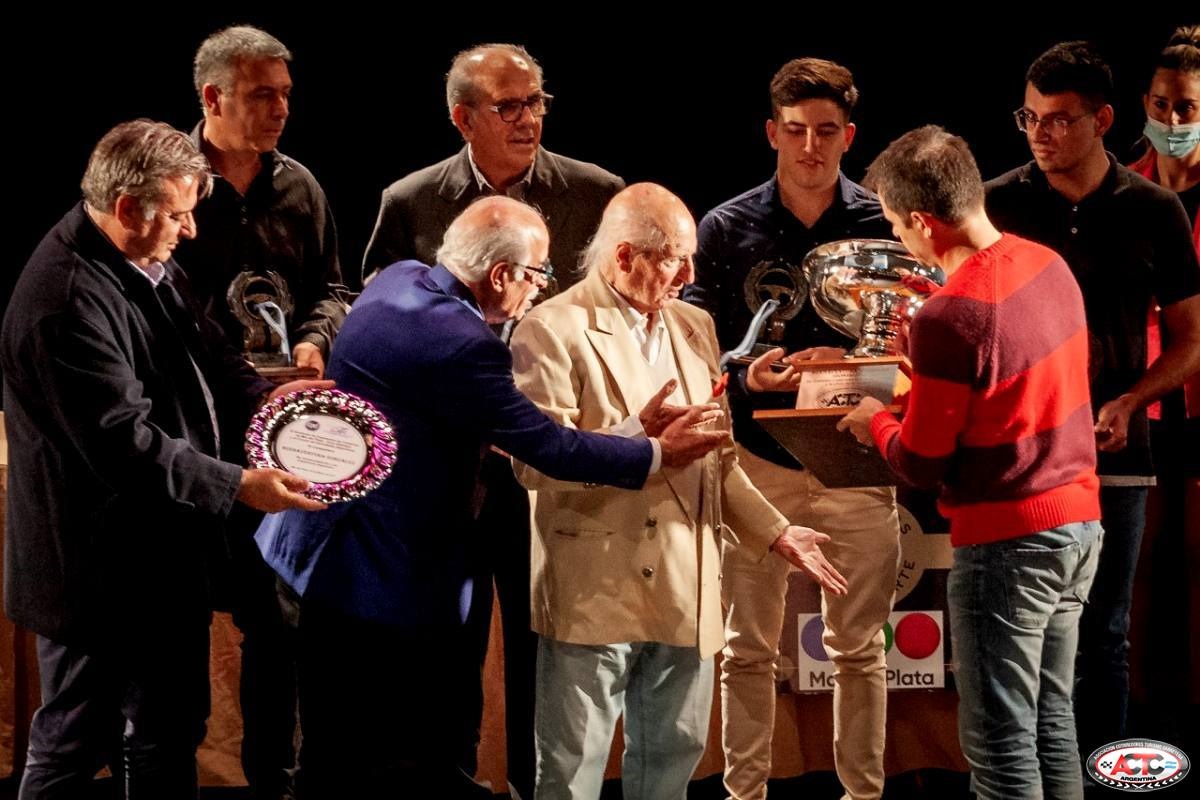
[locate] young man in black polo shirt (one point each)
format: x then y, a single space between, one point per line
1129 246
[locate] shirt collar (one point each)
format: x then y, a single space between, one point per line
636 320
846 196
273 162
517 191
1112 180
450 283
154 272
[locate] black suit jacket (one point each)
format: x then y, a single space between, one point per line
115 490
417 209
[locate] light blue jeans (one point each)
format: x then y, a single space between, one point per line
1014 612
666 695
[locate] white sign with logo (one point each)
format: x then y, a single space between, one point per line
914 642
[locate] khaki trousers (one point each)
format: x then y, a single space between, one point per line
865 548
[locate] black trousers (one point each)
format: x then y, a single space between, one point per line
139 706
502 545
244 585
380 707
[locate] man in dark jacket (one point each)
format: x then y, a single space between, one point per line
117 395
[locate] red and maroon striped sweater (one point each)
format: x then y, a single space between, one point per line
999 412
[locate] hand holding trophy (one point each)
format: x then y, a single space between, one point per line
869 290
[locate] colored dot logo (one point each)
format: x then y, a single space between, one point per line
810 639
916 636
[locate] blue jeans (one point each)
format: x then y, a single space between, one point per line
1102 666
665 693
1014 612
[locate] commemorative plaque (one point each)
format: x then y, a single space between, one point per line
337 441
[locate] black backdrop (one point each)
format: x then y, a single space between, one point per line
678 98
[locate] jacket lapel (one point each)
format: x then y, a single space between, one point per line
609 337
692 362
691 358
457 178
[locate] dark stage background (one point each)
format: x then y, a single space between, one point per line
681 101
675 97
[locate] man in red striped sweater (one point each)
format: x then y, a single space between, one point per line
999 416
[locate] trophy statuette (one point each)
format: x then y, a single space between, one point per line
261 303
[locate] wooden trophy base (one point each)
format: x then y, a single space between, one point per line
828 390
834 457
280 375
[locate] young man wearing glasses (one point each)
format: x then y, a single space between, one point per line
1128 243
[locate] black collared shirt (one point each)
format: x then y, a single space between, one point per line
1129 245
752 247
283 223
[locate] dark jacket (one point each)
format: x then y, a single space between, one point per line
115 492
417 209
415 345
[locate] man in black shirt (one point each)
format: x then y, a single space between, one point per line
1129 246
266 213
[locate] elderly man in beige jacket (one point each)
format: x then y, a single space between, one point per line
626 584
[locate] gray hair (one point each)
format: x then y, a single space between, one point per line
134 159
461 80
482 236
622 223
220 53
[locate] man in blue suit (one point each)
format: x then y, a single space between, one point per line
384 579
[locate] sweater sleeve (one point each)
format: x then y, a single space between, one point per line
945 361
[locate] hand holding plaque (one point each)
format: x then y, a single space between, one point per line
340 443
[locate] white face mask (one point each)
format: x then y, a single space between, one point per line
1173 141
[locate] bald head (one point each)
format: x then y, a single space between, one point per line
474 70
644 246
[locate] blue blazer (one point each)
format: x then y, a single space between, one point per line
415 344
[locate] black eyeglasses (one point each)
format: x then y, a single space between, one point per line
546 270
1057 125
512 110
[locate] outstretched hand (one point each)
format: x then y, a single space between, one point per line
762 377
801 546
858 421
685 440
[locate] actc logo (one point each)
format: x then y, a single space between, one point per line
1138 765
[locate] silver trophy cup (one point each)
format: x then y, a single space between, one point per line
869 289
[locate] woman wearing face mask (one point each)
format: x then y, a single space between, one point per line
1173 122
1172 160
